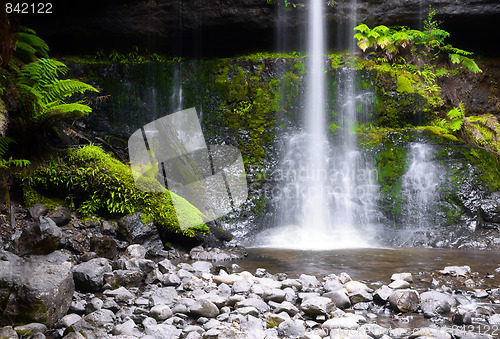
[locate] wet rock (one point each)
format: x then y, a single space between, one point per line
317 305
339 298
399 284
404 300
89 276
104 247
456 271
61 216
36 289
68 320
433 302
39 237
494 319
309 282
382 294
490 210
217 254
38 210
402 276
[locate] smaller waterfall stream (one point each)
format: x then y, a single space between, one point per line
420 192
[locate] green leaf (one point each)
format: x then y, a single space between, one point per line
362 28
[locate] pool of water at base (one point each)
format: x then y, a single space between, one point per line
375 266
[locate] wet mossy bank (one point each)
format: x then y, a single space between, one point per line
253 103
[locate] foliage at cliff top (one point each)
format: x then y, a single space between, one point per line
95 183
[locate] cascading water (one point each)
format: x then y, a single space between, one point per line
419 190
324 193
176 97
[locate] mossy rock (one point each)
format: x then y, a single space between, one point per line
93 182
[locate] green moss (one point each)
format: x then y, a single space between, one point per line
96 183
404 84
488 166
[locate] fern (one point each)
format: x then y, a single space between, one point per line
29 47
456 116
44 95
4 145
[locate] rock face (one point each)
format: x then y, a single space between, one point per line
35 289
219 27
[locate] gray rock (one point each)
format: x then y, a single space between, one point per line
38 289
89 276
163 296
404 300
242 286
136 251
8 332
360 296
128 328
68 320
433 302
95 304
30 329
399 284
291 329
309 282
317 306
61 216
286 307
126 278
254 302
101 319
490 210
202 266
456 271
462 317
39 237
38 210
171 279
382 294
121 294
249 310
339 298
402 276
204 308
160 312
165 266
104 246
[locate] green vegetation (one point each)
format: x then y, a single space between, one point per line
409 62
95 183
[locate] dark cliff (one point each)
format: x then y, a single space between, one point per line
226 27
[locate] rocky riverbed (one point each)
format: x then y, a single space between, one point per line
114 289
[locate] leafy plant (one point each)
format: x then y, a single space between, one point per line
43 96
456 116
6 163
29 47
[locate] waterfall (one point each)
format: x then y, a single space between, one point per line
323 192
176 96
419 191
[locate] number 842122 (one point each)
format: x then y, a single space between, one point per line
29 8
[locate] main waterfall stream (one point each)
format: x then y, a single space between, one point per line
326 191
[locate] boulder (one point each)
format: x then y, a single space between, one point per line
433 302
38 210
104 246
404 300
36 289
317 306
89 276
39 237
61 216
204 308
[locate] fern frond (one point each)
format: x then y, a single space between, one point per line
4 145
455 113
38 44
73 110
62 89
42 72
362 28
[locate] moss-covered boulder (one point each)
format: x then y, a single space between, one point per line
93 182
